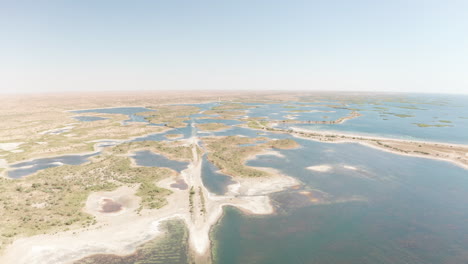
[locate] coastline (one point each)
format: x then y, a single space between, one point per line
371 142
372 137
121 233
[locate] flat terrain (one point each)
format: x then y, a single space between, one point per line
111 205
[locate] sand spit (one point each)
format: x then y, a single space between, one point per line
3 164
348 167
262 185
122 231
320 168
454 153
268 152
352 115
57 131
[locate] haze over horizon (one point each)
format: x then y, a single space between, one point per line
391 46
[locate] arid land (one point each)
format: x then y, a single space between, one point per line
64 206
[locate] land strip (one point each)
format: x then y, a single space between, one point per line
454 153
353 114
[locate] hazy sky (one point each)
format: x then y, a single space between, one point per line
97 45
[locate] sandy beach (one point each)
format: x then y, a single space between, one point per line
320 168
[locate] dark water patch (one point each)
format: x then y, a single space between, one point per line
89 118
106 145
170 248
247 145
289 200
110 206
180 184
29 167
149 159
214 181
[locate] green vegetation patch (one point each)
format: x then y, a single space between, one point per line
381 108
429 125
173 150
52 199
411 107
283 144
232 106
257 124
172 115
213 126
227 155
397 115
403 115
170 248
173 136
226 114
78 139
445 121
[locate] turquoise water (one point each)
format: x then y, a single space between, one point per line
390 209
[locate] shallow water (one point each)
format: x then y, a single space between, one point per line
29 167
131 112
88 118
150 159
215 181
302 112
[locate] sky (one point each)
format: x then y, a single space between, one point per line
342 45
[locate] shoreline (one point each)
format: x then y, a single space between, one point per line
96 149
121 233
371 137
368 142
459 159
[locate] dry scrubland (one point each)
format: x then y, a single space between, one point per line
77 140
171 115
228 156
52 200
213 126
